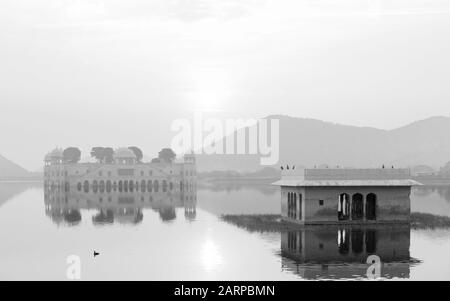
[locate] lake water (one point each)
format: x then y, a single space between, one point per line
157 237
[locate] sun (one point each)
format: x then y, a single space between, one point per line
209 90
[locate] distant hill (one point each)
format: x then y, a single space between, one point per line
310 142
10 169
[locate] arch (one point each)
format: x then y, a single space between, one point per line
86 186
125 186
120 186
131 185
292 205
371 207
164 186
344 207
108 186
156 185
357 206
143 186
95 186
115 186
102 186
79 186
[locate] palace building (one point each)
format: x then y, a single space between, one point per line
346 196
123 175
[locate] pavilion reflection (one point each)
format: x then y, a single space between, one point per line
342 252
65 208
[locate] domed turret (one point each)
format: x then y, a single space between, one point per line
124 155
55 156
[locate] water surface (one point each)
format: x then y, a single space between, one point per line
159 237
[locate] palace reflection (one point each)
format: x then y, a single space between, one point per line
341 252
65 208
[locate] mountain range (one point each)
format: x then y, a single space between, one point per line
10 169
310 142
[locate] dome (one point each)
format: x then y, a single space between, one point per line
47 157
57 153
124 153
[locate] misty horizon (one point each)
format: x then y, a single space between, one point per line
86 157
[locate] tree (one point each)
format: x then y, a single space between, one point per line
98 153
71 155
446 168
137 152
108 155
167 155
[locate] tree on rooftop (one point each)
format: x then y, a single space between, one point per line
156 160
108 155
71 155
137 152
98 153
167 155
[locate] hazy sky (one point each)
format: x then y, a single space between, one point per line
117 72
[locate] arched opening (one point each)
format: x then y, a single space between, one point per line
357 207
86 186
79 186
164 186
143 186
156 185
120 186
102 186
108 186
344 207
300 201
292 208
95 186
131 185
371 207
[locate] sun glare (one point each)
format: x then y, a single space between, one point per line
210 91
210 255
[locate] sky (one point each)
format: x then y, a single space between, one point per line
119 72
